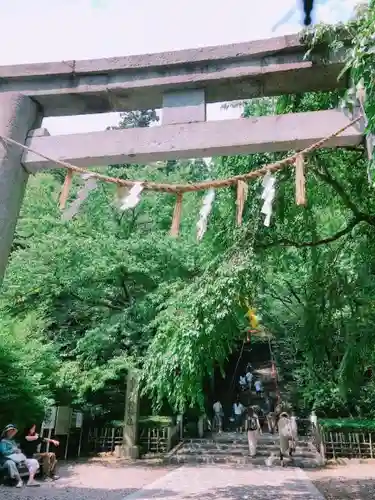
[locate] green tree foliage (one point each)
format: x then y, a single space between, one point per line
107 291
27 366
143 118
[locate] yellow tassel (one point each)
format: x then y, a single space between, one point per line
176 216
300 181
65 189
242 189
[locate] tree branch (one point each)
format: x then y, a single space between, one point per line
301 244
282 300
337 186
293 292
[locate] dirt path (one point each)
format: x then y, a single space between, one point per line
353 481
90 481
121 481
223 482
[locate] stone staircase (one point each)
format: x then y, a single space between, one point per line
232 448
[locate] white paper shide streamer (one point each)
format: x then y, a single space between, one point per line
90 184
132 198
207 204
268 196
204 213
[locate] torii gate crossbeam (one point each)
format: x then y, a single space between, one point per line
181 83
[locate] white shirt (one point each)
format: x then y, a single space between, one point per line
258 385
238 408
249 377
242 380
217 407
293 424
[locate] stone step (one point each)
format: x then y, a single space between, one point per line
242 446
243 460
242 441
243 452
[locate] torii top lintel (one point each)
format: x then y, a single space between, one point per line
267 67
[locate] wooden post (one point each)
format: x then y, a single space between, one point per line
370 442
333 446
169 438
113 439
80 441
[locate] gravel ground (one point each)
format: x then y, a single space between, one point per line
111 480
115 480
352 481
90 481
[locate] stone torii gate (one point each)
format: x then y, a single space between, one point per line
181 84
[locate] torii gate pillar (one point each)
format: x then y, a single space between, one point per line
18 115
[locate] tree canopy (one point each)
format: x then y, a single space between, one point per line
85 300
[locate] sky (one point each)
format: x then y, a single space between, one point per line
33 31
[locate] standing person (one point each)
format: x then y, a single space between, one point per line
10 450
294 429
249 367
30 443
218 415
313 419
269 413
238 410
249 378
258 387
243 383
285 435
253 431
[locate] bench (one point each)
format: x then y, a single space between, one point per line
22 469
4 478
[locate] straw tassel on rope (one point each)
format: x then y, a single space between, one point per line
66 188
300 181
242 189
175 227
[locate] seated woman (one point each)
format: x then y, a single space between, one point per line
11 470
30 443
11 452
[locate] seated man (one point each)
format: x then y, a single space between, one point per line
11 452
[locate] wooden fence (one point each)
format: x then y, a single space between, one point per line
349 444
104 440
153 440
158 440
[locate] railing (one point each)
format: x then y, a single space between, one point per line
347 443
158 440
314 434
339 442
153 439
104 440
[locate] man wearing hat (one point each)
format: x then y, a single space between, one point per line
13 455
